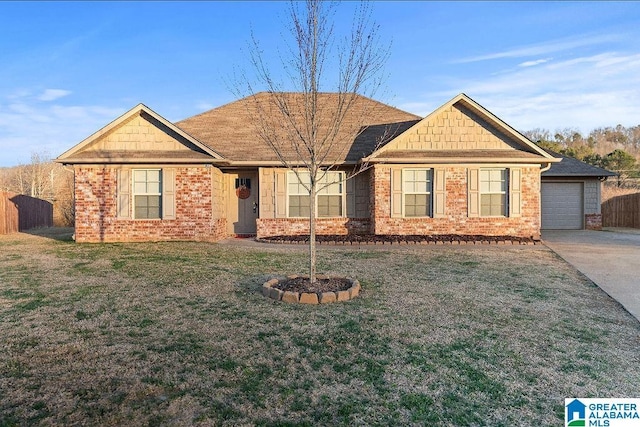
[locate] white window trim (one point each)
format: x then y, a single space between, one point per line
505 172
405 192
292 176
134 193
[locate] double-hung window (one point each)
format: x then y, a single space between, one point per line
493 192
417 187
298 194
330 195
147 193
329 198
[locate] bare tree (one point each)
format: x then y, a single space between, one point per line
35 179
307 134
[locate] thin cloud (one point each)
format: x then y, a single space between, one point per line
53 94
585 93
57 128
534 63
543 48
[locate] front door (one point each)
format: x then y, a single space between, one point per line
243 202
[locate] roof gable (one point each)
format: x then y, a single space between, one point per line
139 135
461 128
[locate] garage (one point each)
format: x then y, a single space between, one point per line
562 205
570 195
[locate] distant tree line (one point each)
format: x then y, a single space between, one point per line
614 148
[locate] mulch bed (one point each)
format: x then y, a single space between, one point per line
302 284
370 239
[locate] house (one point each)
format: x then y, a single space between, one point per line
460 170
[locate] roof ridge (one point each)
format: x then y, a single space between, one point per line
263 93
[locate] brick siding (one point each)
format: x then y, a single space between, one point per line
456 220
96 210
267 227
593 221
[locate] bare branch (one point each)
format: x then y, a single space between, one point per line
310 130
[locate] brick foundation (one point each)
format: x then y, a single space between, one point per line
593 221
300 226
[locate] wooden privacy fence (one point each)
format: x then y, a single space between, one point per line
622 211
19 212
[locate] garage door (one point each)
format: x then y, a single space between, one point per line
562 204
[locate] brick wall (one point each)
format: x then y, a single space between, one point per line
96 219
96 208
456 220
300 226
593 221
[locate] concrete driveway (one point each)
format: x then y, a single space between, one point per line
610 258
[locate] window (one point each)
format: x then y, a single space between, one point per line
493 192
416 191
330 197
329 200
298 195
147 193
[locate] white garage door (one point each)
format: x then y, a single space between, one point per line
562 204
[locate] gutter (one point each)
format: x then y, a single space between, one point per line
460 160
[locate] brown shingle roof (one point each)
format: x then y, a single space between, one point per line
461 154
231 130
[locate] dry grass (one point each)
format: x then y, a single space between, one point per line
179 334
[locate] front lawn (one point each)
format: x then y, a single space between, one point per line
179 334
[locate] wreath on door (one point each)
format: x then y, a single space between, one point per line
243 192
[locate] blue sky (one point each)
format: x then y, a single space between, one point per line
69 68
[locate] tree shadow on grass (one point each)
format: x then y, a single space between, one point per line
61 234
253 284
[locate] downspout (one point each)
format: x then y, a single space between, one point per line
546 168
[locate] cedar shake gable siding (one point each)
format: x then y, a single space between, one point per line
457 131
139 136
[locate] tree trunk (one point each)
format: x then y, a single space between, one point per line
312 231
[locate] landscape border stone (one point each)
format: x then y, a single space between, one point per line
312 298
402 240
